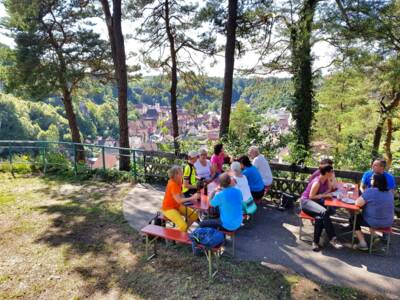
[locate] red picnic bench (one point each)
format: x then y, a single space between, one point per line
154 232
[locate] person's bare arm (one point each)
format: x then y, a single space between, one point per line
187 184
179 198
314 192
360 201
363 187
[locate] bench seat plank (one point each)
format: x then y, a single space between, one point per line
166 233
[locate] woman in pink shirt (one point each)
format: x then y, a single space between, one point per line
217 159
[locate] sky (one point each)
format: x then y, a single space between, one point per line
322 51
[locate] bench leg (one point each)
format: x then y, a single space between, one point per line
148 243
388 244
300 228
354 230
233 245
371 241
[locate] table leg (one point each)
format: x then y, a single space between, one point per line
354 229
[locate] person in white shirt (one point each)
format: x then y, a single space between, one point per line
203 167
262 165
242 184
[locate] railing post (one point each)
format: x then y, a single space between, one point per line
10 156
75 158
44 159
103 157
134 165
144 165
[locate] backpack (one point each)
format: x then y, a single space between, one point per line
207 237
157 220
249 207
287 201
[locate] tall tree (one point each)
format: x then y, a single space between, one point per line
300 44
167 34
55 49
116 38
242 21
367 34
229 67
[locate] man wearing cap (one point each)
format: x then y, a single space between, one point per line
189 175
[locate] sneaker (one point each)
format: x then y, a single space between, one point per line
335 243
315 247
361 246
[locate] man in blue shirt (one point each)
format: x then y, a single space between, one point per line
378 167
229 201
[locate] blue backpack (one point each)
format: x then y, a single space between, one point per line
207 237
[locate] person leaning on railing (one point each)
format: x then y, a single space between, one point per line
312 203
172 206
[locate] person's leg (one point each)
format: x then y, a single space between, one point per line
362 243
191 214
317 211
214 223
175 217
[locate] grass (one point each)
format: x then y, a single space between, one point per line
69 240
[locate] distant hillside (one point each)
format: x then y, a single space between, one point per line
97 111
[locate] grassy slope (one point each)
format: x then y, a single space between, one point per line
69 240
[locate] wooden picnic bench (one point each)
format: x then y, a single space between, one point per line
154 232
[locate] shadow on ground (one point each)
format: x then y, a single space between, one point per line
88 224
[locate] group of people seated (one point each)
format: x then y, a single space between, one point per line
248 178
377 202
239 187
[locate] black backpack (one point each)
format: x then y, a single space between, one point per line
157 220
286 201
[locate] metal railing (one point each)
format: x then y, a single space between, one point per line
45 155
146 166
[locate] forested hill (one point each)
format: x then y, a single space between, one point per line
97 111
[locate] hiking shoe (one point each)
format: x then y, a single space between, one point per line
335 243
315 247
362 247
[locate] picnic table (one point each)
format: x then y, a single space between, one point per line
346 194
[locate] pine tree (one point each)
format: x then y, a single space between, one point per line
55 49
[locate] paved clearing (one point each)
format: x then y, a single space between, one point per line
272 239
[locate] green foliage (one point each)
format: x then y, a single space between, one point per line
55 46
247 129
21 164
347 95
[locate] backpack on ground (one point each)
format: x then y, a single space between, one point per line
157 220
207 237
286 201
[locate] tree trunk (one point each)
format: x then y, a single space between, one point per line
229 68
384 114
300 39
118 52
388 143
378 136
76 137
174 78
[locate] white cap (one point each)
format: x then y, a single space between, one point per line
193 153
235 166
